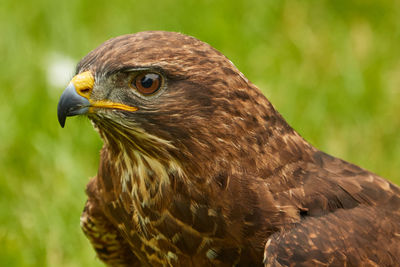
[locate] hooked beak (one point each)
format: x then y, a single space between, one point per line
71 104
75 100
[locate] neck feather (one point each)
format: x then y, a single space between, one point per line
142 164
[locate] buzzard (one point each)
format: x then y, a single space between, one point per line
199 169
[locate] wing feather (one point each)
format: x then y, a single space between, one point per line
363 236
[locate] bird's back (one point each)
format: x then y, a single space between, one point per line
347 216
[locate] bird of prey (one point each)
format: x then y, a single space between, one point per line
199 169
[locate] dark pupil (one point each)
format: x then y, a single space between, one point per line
147 81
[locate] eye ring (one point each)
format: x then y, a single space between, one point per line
147 83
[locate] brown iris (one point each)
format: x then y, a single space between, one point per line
147 83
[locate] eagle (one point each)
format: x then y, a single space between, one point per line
199 169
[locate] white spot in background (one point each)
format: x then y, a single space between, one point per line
60 70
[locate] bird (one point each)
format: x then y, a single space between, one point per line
198 168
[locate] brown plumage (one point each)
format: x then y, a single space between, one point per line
203 171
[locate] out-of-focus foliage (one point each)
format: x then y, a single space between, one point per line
332 68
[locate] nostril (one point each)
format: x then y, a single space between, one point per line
85 91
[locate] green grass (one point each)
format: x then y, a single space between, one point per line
332 68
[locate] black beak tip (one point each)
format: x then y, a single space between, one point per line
61 120
62 116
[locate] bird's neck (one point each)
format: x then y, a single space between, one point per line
140 165
149 167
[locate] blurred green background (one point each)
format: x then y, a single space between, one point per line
332 68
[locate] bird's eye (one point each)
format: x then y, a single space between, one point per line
147 83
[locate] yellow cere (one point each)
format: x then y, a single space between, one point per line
83 83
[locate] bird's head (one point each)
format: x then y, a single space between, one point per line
163 94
